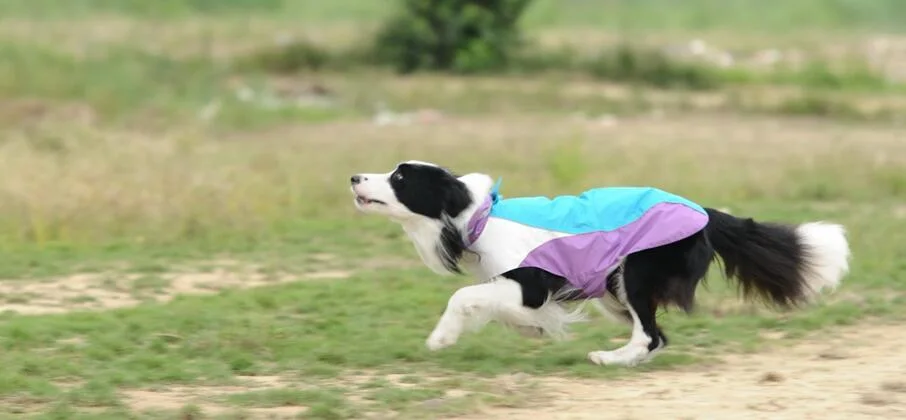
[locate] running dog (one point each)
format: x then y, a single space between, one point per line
629 250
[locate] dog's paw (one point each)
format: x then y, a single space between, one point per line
627 356
440 339
603 358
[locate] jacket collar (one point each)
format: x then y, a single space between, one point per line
479 219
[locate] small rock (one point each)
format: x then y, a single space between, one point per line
433 403
875 399
771 377
894 386
769 406
832 355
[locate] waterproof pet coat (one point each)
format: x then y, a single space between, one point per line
581 238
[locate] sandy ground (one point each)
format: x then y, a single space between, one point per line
103 291
859 373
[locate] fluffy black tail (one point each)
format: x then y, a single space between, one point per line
784 264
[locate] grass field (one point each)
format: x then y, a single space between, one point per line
177 238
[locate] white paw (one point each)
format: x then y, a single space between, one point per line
604 358
626 356
441 338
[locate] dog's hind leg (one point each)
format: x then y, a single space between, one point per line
634 291
610 305
655 278
645 340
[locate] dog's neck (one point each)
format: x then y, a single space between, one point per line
479 218
426 233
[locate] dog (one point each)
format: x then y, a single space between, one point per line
628 250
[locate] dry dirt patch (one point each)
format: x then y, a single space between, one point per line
114 290
175 398
211 399
855 375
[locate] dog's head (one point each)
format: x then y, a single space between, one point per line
433 204
411 191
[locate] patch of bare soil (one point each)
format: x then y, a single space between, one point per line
210 399
21 112
111 290
176 398
858 374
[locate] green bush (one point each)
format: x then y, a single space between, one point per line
533 58
464 36
289 58
302 56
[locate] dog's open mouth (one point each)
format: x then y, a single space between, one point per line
365 200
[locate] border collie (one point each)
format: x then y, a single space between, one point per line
628 250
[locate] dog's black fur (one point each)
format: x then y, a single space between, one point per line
764 258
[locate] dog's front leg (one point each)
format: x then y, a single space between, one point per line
447 330
471 307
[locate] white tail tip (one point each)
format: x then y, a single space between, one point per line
827 255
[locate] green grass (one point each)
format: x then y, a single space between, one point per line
317 332
274 85
139 88
771 15
208 74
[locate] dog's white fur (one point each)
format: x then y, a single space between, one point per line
829 255
500 299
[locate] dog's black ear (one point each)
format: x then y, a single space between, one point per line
450 247
456 198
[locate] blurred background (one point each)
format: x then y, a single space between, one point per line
180 119
153 149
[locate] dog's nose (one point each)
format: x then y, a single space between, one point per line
356 179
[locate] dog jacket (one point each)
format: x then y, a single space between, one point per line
581 238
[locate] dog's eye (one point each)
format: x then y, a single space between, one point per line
397 176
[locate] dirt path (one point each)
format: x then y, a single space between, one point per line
859 374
